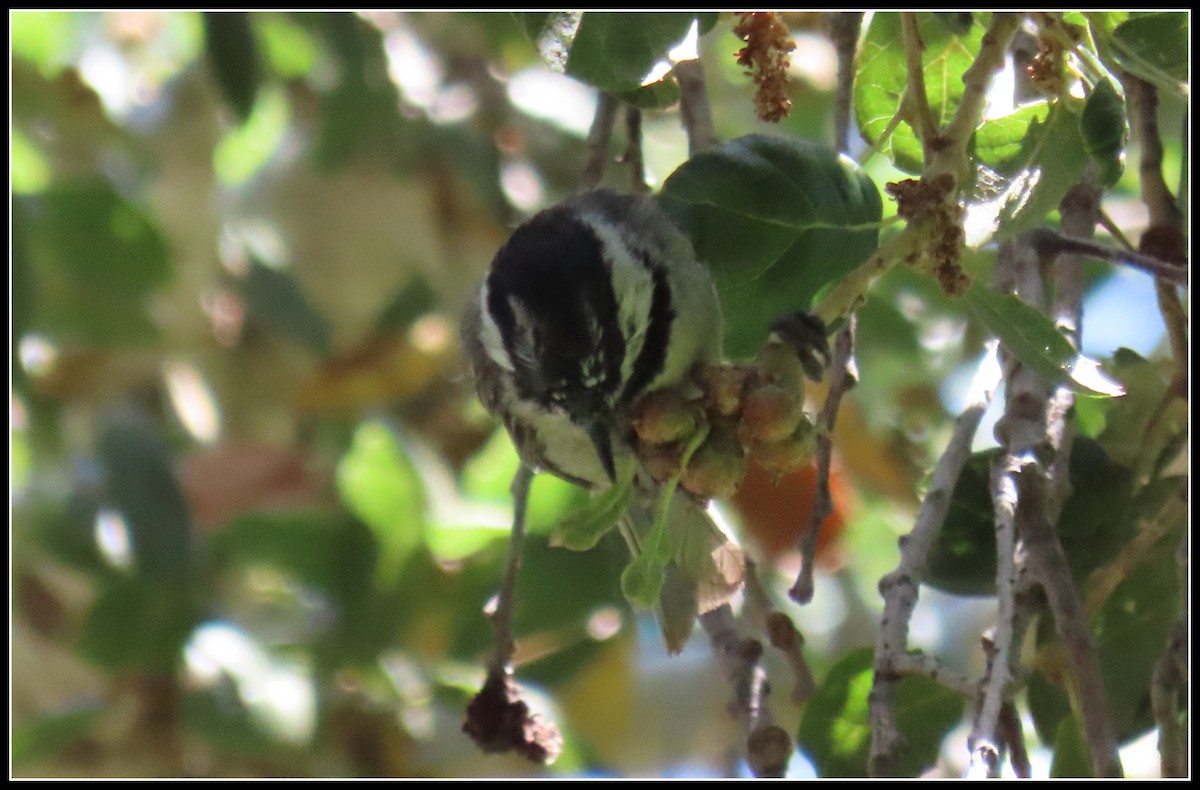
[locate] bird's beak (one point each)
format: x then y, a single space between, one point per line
601 438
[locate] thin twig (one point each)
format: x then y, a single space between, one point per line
844 28
843 376
1049 565
901 587
1054 243
1170 682
633 151
768 747
1165 236
916 99
781 632
694 106
599 141
956 135
502 650
1031 495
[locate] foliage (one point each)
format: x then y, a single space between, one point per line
257 514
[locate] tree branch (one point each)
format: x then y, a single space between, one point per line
843 32
768 747
502 650
599 141
900 588
843 377
694 106
633 151
1051 242
916 98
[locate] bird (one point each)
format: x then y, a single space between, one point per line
589 305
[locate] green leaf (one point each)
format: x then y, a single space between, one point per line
612 51
1049 161
303 545
275 298
835 732
233 55
379 484
883 78
140 483
583 528
139 624
101 239
50 733
1155 48
1032 337
1072 758
1102 125
777 221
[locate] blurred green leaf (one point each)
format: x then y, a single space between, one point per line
362 111
140 483
50 733
411 302
1049 705
1155 48
1032 337
882 79
582 529
561 589
233 55
836 735
101 239
642 580
274 297
487 478
46 38
30 169
777 222
289 49
304 544
379 484
613 51
139 624
243 151
1072 759
1102 125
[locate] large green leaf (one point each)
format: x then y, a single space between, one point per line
882 79
1032 337
777 221
1071 755
835 731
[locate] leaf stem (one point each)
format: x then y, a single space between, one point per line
502 650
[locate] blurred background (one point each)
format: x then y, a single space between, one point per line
256 510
